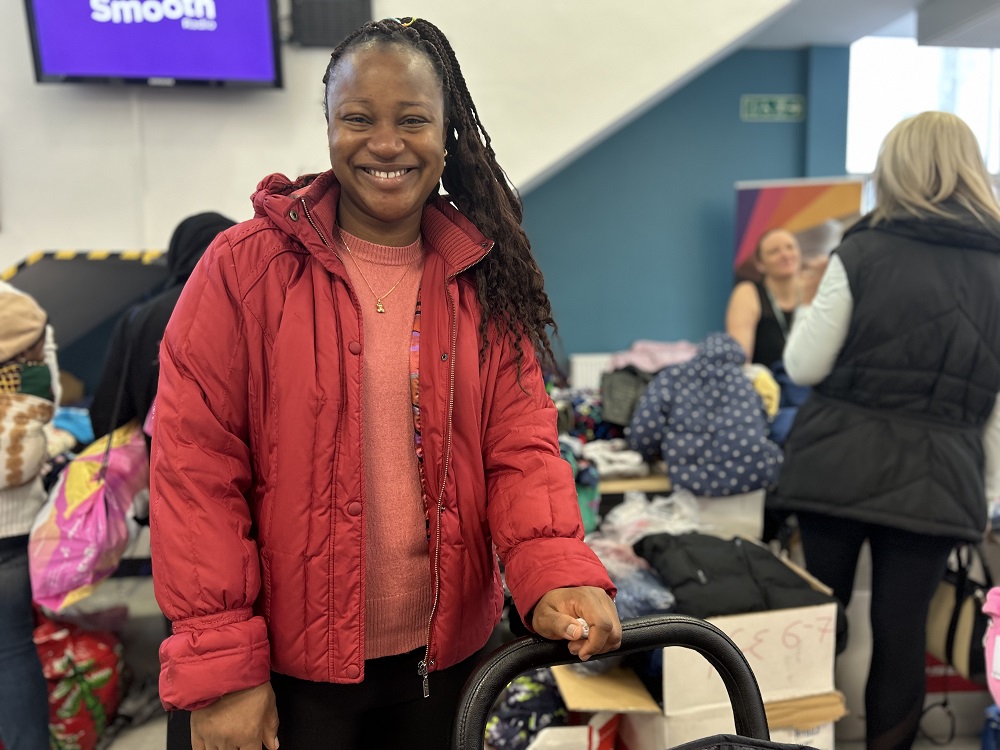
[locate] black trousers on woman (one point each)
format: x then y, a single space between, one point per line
387 710
906 569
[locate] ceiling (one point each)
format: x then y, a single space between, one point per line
952 23
836 23
959 23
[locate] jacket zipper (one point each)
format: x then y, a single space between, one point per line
423 668
305 210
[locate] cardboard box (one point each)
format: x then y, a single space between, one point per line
791 652
618 690
806 713
610 695
822 738
600 733
812 717
644 732
655 734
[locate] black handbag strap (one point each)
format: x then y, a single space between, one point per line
977 548
119 397
964 553
965 560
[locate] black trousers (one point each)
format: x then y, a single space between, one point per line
387 710
906 569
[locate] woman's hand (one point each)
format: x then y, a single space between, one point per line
243 720
555 617
812 274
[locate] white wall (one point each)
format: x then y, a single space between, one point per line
117 167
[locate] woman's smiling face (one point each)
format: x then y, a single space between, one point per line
779 256
386 131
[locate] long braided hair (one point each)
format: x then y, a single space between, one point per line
508 281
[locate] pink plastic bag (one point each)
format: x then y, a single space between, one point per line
991 642
83 529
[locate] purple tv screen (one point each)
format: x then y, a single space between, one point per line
156 41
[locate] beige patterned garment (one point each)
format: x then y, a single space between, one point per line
22 437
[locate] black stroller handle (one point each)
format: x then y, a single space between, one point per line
639 634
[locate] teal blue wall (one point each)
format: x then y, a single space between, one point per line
636 237
826 110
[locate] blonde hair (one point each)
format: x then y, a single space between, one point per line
926 161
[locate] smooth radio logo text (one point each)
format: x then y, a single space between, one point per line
194 15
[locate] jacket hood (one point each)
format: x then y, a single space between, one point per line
722 349
281 201
190 240
962 230
274 194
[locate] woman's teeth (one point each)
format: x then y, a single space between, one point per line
387 175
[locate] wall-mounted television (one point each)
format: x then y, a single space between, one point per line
156 42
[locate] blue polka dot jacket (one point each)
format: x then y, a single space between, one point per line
705 419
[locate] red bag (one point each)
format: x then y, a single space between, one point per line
83 670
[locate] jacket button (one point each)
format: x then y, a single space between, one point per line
293 215
354 347
354 508
353 671
444 357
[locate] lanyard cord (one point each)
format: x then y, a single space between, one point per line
779 314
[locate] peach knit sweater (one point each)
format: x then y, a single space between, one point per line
397 567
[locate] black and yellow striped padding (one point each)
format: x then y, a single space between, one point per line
145 257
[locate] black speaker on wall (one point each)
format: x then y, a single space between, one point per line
325 23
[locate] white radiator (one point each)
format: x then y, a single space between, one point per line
585 370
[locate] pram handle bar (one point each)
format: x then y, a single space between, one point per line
639 634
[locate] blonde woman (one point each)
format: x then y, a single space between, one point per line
899 442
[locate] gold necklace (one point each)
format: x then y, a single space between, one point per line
379 307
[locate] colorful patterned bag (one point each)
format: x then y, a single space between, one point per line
82 531
83 670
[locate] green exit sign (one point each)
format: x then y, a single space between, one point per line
772 108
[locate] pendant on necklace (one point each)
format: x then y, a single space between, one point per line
378 306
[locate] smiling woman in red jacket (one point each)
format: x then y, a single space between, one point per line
352 425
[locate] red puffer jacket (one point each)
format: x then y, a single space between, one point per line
257 497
